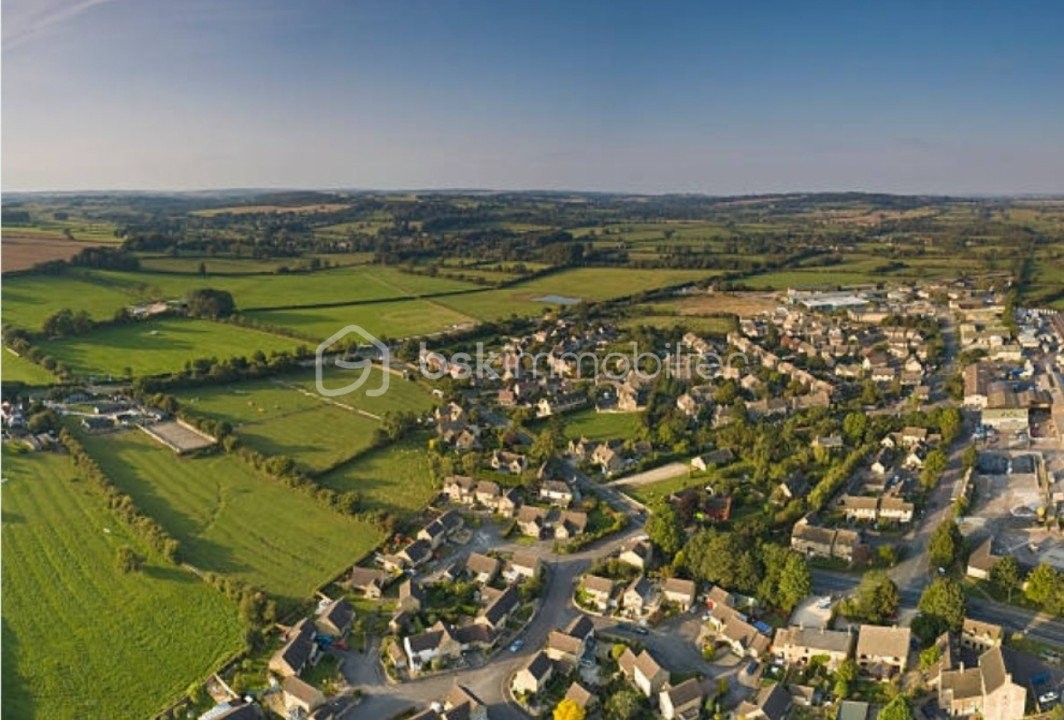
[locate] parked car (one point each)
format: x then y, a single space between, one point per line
516 645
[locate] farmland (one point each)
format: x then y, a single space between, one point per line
286 416
29 299
159 346
396 319
232 520
396 478
78 634
17 369
597 427
24 250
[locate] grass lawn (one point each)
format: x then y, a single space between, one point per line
597 426
395 478
18 369
29 299
232 520
80 638
152 347
286 416
650 492
401 318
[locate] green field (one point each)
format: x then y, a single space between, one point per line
80 638
396 478
578 284
718 326
598 426
18 369
152 347
401 318
29 299
232 520
286 416
650 493
224 265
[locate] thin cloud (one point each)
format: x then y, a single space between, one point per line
22 24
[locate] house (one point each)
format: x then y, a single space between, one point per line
298 651
598 590
301 696
509 462
828 442
459 489
486 493
812 540
861 509
498 611
233 710
532 521
981 561
882 651
581 696
461 704
986 691
607 459
638 553
569 645
681 592
522 565
884 461
719 596
367 581
681 702
643 671
557 493
794 487
853 710
980 636
482 568
638 599
848 546
772 702
913 436
712 459
336 618
572 523
734 630
411 596
894 509
797 645
443 527
436 642
533 677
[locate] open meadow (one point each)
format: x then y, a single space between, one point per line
393 319
597 427
231 519
396 478
18 369
152 347
82 639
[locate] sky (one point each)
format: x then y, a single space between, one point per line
710 97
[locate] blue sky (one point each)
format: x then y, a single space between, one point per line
950 97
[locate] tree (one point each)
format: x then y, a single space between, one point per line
934 465
945 544
665 529
1045 587
875 599
127 560
897 709
624 704
796 582
929 656
567 709
949 424
210 303
943 606
854 426
1005 574
44 421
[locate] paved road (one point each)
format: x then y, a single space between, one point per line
664 472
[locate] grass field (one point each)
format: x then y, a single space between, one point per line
17 369
231 520
597 426
28 299
286 416
395 478
718 326
159 346
225 265
578 284
652 492
397 319
80 638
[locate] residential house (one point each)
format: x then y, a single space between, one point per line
436 642
533 677
912 436
298 651
461 704
301 696
853 710
982 560
607 459
233 710
986 691
482 568
681 702
894 509
367 581
572 523
643 671
772 702
459 489
639 598
797 645
336 618
415 554
411 596
679 591
498 611
638 553
508 462
598 590
859 508
557 493
532 521
712 459
580 695
522 565
882 651
440 529
734 630
828 442
980 636
569 645
794 487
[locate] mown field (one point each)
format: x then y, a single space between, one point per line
577 284
17 369
708 326
396 478
232 520
286 416
396 319
28 299
598 426
80 638
160 346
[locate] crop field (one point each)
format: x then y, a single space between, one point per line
29 299
80 638
232 520
17 369
153 347
21 251
396 478
286 416
578 284
395 319
253 209
596 426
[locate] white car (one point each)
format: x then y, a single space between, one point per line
1049 697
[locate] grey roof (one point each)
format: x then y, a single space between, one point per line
685 692
539 666
501 606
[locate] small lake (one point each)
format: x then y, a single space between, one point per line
557 300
